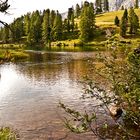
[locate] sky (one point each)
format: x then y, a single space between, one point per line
21 7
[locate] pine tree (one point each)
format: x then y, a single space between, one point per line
17 29
136 4
106 5
122 8
5 35
77 11
34 35
117 21
70 18
124 23
72 22
37 27
46 27
65 25
125 15
52 18
134 21
87 22
98 6
70 12
27 21
57 29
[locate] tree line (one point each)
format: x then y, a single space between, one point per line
44 27
47 26
129 22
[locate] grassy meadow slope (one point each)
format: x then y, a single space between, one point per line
108 18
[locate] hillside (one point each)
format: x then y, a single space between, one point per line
108 18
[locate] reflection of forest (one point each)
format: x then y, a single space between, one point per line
56 67
73 70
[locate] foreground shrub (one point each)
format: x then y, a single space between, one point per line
114 89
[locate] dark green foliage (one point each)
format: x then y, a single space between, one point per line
122 8
65 26
98 6
98 10
136 4
6 35
70 17
7 134
124 23
52 17
46 27
122 78
17 29
34 35
70 12
27 23
123 27
125 14
87 18
57 29
77 11
101 5
106 5
72 22
117 21
134 21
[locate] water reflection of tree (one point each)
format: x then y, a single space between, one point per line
74 71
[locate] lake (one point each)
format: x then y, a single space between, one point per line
30 92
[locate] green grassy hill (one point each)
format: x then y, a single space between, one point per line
108 18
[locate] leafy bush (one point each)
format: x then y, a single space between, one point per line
7 134
116 83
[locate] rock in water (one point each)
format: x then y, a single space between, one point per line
115 112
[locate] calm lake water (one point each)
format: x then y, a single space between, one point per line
30 92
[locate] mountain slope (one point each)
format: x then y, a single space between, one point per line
117 4
108 18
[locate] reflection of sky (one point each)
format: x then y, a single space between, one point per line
9 79
30 91
30 80
20 83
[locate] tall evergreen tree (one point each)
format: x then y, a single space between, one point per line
65 25
72 22
5 36
27 21
46 27
77 11
124 24
17 29
106 5
136 4
70 18
37 27
52 18
134 21
117 21
57 29
98 6
34 35
87 22
125 15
